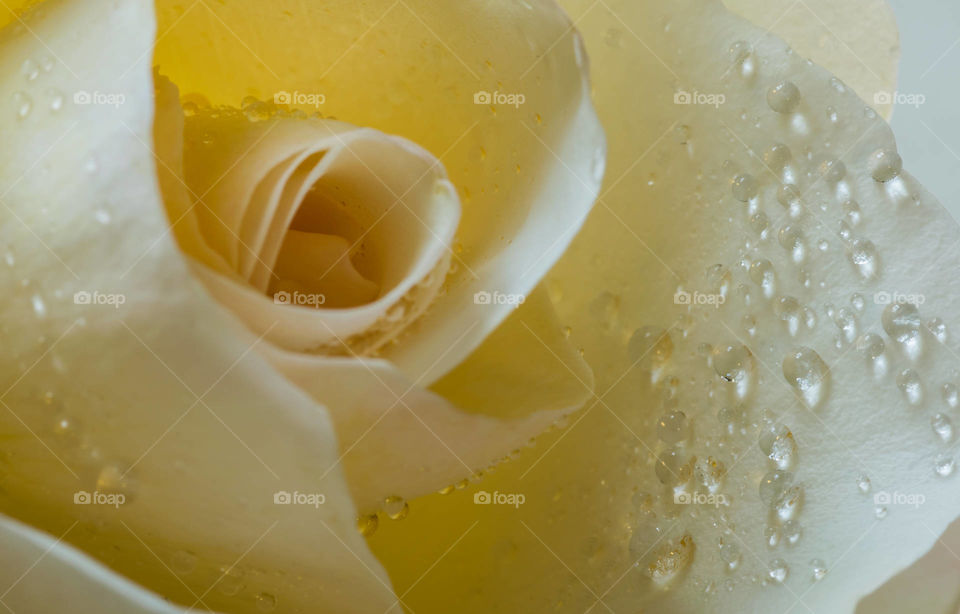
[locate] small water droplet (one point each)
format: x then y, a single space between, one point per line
951 395
880 512
863 255
735 365
773 484
23 104
944 465
943 427
863 483
833 170
792 531
231 581
729 553
395 508
266 602
808 374
367 524
779 446
762 274
183 562
744 187
938 328
778 570
671 560
673 427
818 569
908 381
783 97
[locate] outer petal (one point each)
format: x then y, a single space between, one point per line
856 41
600 525
527 172
123 382
398 439
42 574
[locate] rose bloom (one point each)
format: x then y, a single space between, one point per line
435 306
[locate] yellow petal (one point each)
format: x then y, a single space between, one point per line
133 406
599 528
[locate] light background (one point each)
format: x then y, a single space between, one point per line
928 136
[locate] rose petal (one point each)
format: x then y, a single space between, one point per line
401 440
527 174
856 41
599 529
123 377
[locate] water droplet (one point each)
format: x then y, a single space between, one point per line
762 274
779 446
833 170
847 323
791 239
23 104
783 97
808 374
742 55
671 560
858 302
749 324
863 255
873 348
944 465
651 348
744 187
114 479
832 115
709 473
673 427
943 427
735 365
729 553
56 99
938 329
183 562
951 395
30 70
863 483
367 524
884 165
852 213
792 531
395 508
231 581
102 216
818 569
880 512
788 311
266 602
788 503
771 535
39 306
778 570
901 321
773 484
908 381
672 467
777 156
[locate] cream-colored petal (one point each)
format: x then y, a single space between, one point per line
123 377
527 170
398 439
599 529
387 199
856 41
42 573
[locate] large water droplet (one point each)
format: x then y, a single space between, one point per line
671 560
863 254
783 97
779 446
808 374
884 164
902 322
